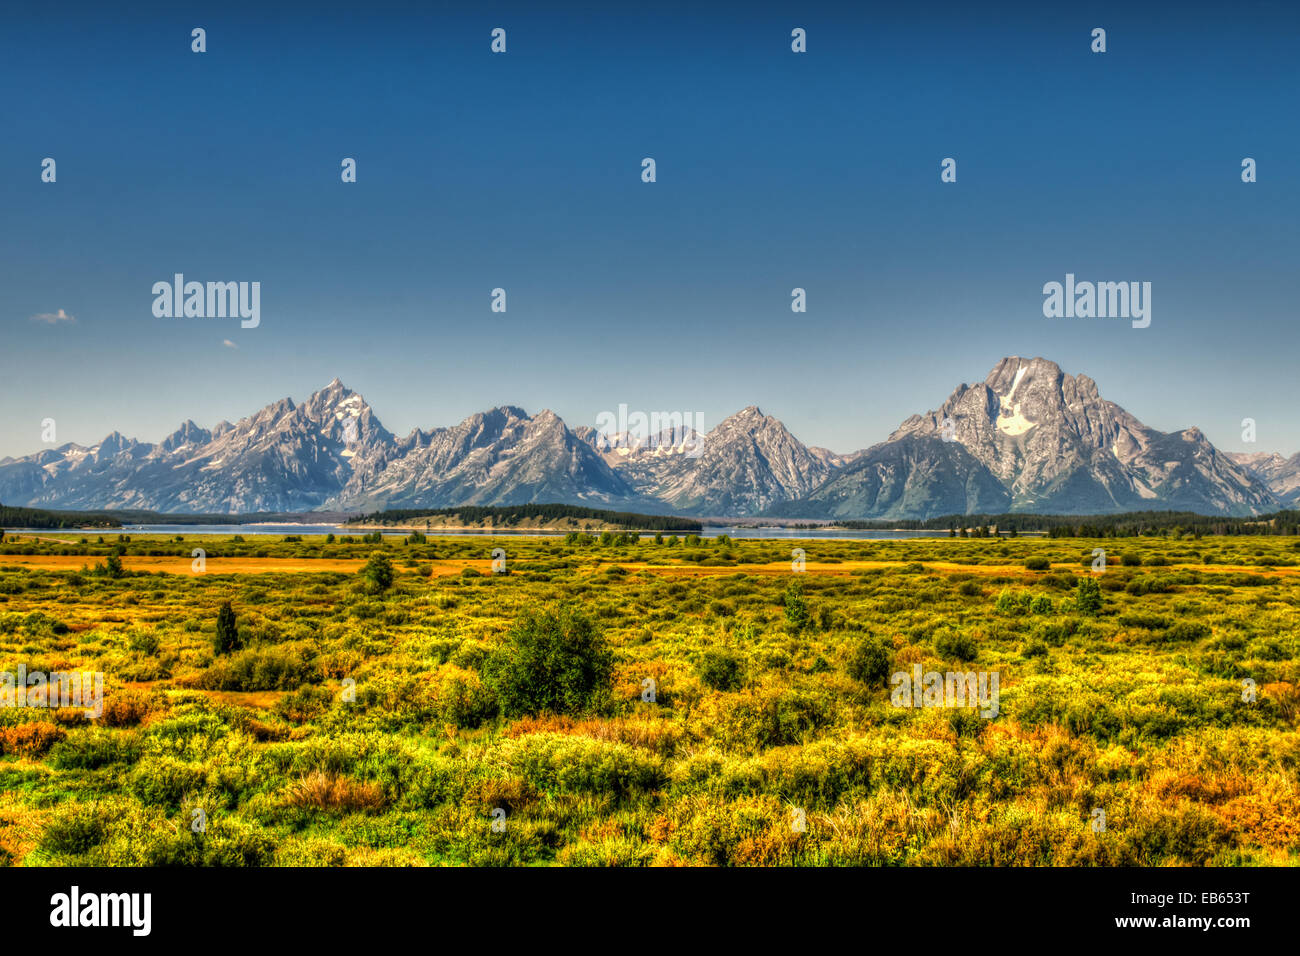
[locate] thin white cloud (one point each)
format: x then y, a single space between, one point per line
229 344
53 318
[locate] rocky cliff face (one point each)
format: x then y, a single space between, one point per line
1053 444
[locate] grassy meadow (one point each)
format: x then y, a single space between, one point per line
622 700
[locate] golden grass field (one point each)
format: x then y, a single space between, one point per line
357 719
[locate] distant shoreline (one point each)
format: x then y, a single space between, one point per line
561 527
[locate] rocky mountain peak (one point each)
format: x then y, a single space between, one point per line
1053 444
187 435
1027 437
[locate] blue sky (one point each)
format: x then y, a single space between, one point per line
522 171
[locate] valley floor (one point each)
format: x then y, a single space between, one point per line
639 703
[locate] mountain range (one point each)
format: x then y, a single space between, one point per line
1027 438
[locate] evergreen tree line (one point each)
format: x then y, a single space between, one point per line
40 518
1126 525
513 514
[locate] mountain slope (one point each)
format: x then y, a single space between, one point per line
747 463
287 457
500 457
914 476
1029 437
1052 443
1280 475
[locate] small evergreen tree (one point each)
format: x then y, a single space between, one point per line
112 566
227 636
1088 596
796 608
378 572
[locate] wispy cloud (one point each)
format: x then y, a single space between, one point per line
229 344
53 318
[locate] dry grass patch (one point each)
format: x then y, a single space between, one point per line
330 791
656 735
30 739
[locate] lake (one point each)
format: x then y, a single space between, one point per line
710 531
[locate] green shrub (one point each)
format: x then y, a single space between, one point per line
1150 622
306 703
277 668
955 645
93 748
720 669
966 723
165 781
146 642
1187 631
562 763
773 717
1012 603
552 662
464 702
75 830
870 661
